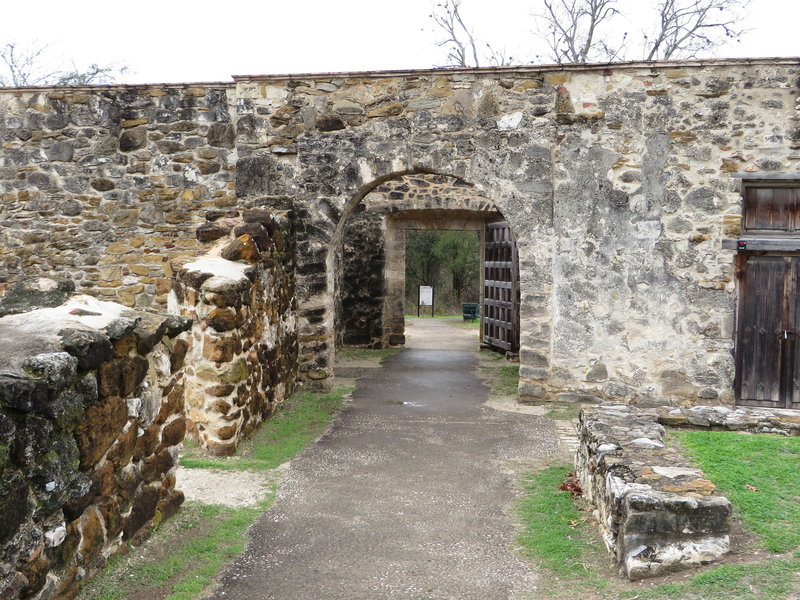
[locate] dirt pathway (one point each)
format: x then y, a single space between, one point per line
407 496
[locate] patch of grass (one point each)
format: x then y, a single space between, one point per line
758 474
192 561
298 422
476 325
564 412
358 353
548 515
772 580
500 375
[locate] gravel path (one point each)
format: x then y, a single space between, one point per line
408 495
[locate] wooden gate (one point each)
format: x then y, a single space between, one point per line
500 315
767 360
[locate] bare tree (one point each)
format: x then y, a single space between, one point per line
572 30
20 66
460 41
578 31
689 27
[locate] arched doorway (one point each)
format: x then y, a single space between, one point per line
370 260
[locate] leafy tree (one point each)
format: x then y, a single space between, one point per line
422 263
458 252
443 259
20 66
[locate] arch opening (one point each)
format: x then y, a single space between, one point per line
368 273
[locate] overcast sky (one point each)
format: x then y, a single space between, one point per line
179 41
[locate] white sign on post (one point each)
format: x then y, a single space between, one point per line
426 295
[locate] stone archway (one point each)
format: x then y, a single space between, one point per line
370 271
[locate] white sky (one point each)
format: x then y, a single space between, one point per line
178 40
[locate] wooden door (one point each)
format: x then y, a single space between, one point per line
500 315
767 363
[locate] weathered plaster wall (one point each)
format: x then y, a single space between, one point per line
616 180
91 416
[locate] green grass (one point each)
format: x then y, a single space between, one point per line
771 580
501 376
301 419
554 535
547 513
767 462
192 561
357 353
564 412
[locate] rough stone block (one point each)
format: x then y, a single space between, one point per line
103 424
121 376
144 509
24 395
91 348
39 292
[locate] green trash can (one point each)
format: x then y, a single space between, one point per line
471 310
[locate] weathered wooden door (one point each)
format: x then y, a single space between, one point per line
767 360
500 315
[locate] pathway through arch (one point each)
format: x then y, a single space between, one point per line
408 495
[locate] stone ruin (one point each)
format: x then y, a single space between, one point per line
656 512
96 397
91 418
270 212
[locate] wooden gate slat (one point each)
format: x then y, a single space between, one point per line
499 321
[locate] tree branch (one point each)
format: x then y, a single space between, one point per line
460 38
689 27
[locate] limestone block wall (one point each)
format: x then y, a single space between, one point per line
620 181
106 185
91 417
656 512
242 361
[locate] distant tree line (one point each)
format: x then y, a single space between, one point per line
447 260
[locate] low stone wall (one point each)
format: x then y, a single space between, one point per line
240 294
91 416
657 513
750 419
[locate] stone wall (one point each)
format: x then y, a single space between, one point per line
105 186
619 181
242 361
656 512
372 284
91 417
